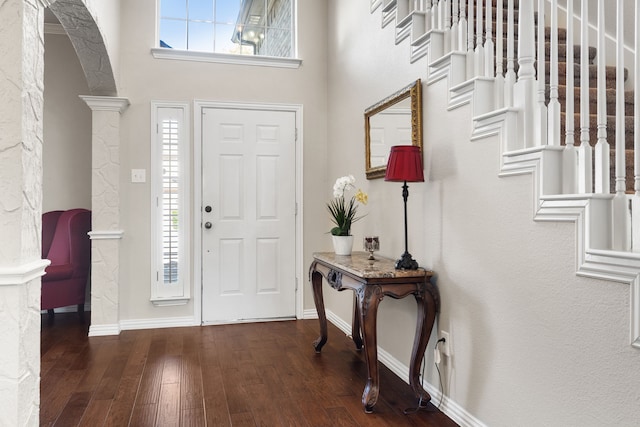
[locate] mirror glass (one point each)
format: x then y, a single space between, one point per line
396 120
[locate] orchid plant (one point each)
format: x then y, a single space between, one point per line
344 212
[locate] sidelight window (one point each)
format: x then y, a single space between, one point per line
170 220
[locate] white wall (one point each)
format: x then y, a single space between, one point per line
143 79
66 180
533 343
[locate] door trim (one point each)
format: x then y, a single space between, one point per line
196 248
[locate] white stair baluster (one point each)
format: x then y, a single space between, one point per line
570 154
462 27
470 41
489 61
553 122
526 39
510 76
621 218
636 107
446 19
525 89
602 151
454 25
499 56
620 116
428 21
635 200
434 15
541 77
585 162
479 56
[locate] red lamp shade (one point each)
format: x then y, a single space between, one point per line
405 164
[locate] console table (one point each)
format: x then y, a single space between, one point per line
371 282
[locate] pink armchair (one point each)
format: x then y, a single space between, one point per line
66 244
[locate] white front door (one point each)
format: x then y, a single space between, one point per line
248 216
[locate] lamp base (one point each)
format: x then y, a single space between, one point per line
406 262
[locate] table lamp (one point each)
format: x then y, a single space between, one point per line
405 165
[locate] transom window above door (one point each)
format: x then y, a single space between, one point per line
236 27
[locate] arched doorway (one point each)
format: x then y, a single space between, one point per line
21 85
90 46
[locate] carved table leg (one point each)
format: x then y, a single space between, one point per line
369 298
427 307
355 325
316 282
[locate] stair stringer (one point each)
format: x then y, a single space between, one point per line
477 91
430 44
413 25
624 267
618 267
589 212
389 12
424 45
451 66
502 122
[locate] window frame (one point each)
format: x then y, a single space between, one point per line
227 58
178 293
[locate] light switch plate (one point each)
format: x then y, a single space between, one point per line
138 175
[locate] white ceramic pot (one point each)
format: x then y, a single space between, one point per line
342 244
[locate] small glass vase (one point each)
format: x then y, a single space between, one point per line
371 244
342 245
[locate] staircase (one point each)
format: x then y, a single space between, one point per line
609 100
610 95
583 172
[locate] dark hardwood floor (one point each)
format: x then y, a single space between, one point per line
260 374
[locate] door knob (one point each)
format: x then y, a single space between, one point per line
207 209
207 224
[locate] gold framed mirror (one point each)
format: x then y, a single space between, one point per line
396 120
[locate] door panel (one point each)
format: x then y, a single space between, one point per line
248 178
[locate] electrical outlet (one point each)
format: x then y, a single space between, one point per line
445 347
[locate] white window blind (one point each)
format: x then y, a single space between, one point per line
170 266
170 200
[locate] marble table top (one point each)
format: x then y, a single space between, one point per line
359 265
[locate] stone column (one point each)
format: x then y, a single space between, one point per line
105 213
21 111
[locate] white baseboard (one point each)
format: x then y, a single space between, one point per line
447 406
343 325
104 330
454 411
310 314
127 325
168 322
